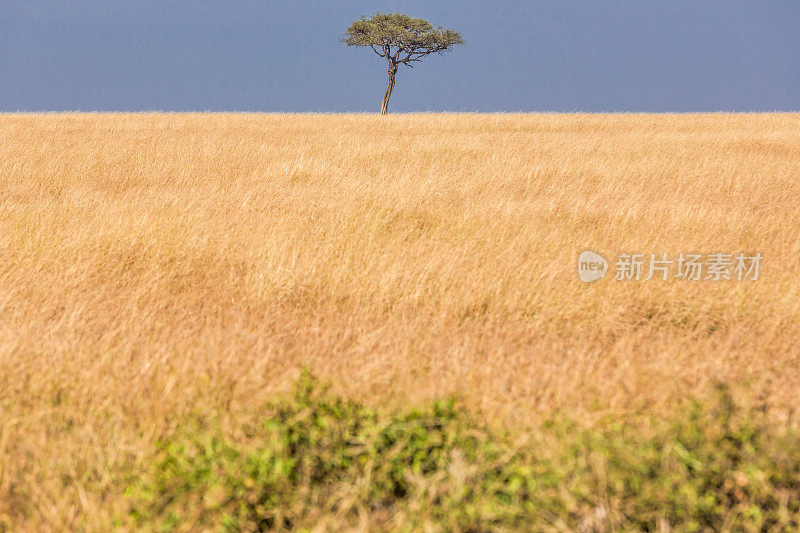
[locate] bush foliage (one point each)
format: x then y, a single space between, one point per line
321 461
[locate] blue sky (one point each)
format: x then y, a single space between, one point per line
249 55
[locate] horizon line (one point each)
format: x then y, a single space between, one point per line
399 113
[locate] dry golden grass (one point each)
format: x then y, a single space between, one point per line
153 266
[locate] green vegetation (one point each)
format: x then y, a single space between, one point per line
322 460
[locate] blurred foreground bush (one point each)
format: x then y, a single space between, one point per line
321 461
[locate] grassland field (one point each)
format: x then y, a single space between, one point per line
160 269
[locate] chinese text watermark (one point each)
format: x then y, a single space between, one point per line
717 266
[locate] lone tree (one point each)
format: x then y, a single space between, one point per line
401 40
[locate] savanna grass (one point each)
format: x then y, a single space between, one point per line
156 266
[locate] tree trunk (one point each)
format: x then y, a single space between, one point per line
385 104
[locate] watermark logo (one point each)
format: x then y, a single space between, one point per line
717 266
591 266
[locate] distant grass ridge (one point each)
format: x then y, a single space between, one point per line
320 460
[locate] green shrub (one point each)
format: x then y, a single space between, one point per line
323 461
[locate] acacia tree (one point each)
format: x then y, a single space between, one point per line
400 39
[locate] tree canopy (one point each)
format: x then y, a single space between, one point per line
399 38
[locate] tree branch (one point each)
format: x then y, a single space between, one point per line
417 55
